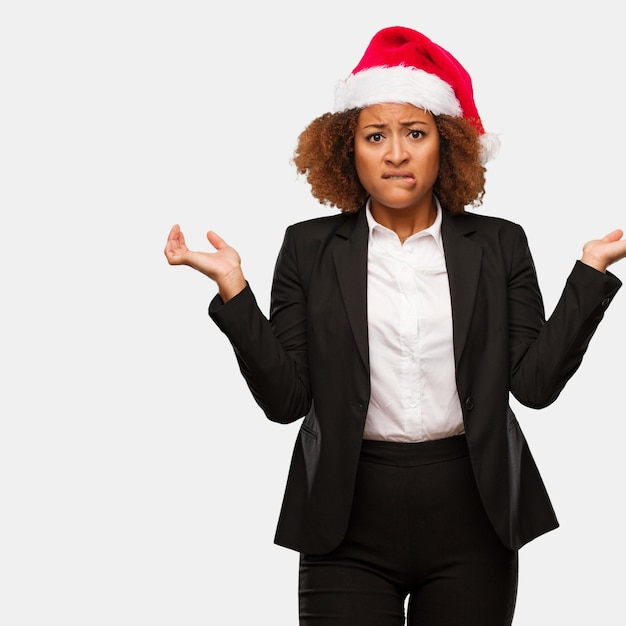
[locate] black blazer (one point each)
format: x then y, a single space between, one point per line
311 359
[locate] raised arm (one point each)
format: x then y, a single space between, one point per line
272 357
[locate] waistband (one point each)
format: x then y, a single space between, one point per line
408 454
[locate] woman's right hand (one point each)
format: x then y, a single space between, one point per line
223 266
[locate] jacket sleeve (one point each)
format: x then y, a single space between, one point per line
545 354
272 353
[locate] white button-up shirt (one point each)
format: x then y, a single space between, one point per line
413 389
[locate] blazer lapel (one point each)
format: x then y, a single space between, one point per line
463 262
350 256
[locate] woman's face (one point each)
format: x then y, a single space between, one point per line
396 153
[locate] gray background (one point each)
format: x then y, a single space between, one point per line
139 483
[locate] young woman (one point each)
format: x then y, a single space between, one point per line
398 329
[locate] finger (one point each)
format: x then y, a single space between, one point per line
175 246
216 241
615 235
173 238
174 231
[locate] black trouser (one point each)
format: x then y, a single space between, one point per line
418 529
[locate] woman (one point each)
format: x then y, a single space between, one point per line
398 329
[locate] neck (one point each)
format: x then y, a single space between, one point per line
405 222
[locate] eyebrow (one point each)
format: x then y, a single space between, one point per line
407 123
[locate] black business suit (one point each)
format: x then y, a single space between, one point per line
312 360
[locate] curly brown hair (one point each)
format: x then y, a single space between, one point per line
325 155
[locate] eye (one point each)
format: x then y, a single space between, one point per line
416 134
375 137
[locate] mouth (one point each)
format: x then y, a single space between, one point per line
399 175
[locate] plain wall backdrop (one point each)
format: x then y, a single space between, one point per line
139 483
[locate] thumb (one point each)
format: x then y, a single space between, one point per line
216 241
616 235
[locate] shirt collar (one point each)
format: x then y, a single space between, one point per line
434 230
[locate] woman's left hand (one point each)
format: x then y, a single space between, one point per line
600 253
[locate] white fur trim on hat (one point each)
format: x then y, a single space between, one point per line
490 144
397 84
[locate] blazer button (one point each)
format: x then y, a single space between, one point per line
469 403
606 302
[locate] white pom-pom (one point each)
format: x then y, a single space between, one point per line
490 146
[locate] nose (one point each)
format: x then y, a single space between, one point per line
396 153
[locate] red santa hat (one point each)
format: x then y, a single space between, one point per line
402 65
